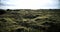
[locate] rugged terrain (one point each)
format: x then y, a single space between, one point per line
27 20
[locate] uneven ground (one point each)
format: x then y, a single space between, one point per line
26 20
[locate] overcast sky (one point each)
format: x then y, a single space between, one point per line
29 4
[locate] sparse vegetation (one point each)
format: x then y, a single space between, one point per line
27 20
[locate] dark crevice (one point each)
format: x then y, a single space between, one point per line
2 12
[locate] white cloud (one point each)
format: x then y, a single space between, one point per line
30 4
